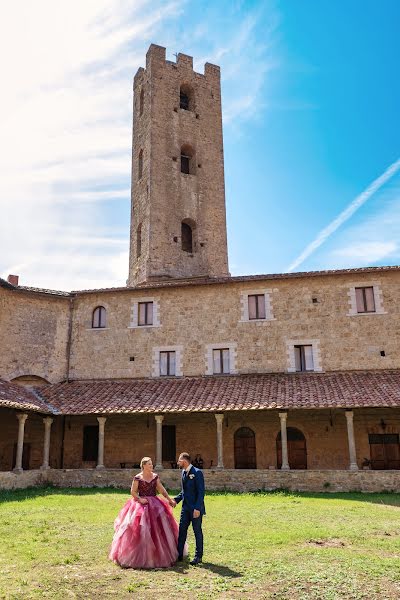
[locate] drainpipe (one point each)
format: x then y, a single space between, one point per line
69 340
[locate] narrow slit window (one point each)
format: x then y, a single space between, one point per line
185 164
140 164
141 102
187 238
139 241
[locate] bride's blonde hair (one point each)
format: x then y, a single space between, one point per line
144 461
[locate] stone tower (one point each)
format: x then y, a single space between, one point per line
178 221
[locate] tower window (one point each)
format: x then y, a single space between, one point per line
167 363
141 102
187 160
145 313
140 164
99 318
139 241
304 359
187 238
365 299
186 98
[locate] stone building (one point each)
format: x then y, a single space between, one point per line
282 380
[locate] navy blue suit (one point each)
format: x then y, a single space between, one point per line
192 496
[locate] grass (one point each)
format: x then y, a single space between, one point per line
280 545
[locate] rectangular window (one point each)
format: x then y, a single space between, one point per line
256 306
221 363
90 443
185 164
304 358
167 363
145 313
365 299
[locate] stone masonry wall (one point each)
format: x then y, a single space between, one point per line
197 316
238 481
33 335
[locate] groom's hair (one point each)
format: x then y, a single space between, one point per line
185 456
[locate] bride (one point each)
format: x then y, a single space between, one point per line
146 532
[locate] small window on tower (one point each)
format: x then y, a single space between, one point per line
187 160
186 98
140 164
187 238
139 241
141 102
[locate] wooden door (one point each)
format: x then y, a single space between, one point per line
245 449
169 443
384 451
297 449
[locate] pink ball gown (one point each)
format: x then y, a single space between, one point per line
146 535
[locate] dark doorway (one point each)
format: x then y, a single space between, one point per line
245 449
385 450
297 449
169 443
90 443
26 456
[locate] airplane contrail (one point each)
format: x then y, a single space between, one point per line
346 214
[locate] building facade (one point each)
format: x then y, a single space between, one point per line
282 372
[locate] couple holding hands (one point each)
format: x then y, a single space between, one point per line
146 533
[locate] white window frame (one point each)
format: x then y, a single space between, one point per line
378 299
291 358
244 305
134 323
178 360
231 346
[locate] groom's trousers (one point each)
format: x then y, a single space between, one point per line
186 519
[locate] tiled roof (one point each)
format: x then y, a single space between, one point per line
21 398
167 283
227 393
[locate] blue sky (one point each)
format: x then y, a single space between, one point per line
311 98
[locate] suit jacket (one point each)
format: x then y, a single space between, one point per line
192 491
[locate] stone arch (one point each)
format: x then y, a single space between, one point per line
297 449
245 448
30 380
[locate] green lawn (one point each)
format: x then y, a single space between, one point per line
54 544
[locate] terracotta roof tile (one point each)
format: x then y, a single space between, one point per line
21 398
222 393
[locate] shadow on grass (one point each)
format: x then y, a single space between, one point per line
222 570
384 498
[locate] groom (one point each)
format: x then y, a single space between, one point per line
193 509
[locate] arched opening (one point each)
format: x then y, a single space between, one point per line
187 237
187 160
99 318
297 449
140 164
28 380
141 102
139 241
245 448
186 97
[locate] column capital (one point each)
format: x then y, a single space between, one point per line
22 417
48 421
159 418
283 416
349 415
219 417
102 420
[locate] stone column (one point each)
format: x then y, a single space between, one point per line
100 456
220 454
352 445
22 417
285 461
46 448
159 419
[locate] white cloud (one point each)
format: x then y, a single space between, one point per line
367 253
